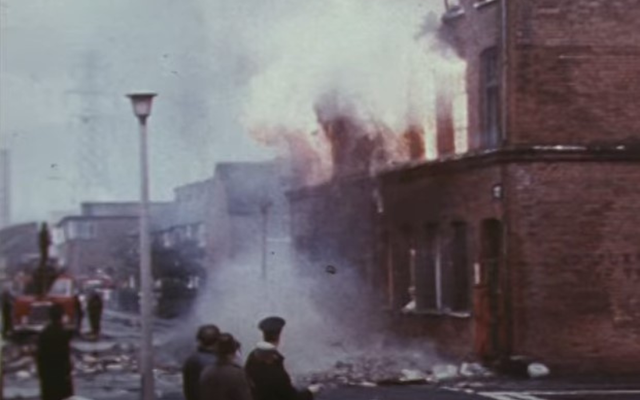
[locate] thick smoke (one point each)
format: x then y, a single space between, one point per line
378 60
375 63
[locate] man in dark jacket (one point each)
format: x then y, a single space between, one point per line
225 380
265 367
53 358
94 308
204 356
77 303
7 311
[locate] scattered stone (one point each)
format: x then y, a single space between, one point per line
114 368
445 372
89 359
470 370
23 374
412 375
537 370
20 363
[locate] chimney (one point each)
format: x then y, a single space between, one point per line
445 131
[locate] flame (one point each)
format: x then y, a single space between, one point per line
350 87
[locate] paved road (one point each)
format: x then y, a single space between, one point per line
432 393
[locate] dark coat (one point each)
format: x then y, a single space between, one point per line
269 379
94 308
53 360
225 380
192 369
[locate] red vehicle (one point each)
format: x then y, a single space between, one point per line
31 310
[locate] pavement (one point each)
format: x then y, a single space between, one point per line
511 391
121 335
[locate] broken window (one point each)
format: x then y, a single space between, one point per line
452 5
461 300
490 98
81 230
428 270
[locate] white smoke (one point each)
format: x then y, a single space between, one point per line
375 54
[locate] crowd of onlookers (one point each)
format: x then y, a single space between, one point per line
214 371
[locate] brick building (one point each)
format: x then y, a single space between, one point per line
95 239
528 242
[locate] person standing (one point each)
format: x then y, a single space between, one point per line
77 303
265 367
225 380
94 307
7 311
204 356
53 358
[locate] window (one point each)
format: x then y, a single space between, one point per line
201 235
81 230
439 270
452 5
490 98
461 296
428 296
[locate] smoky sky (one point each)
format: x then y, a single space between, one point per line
67 65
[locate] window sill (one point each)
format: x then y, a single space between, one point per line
430 313
483 3
453 13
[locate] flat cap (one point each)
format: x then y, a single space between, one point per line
271 324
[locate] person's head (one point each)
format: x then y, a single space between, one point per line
227 346
271 328
56 312
208 335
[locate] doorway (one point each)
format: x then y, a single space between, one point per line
491 333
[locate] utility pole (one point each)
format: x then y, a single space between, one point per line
264 210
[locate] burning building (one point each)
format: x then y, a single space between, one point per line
520 238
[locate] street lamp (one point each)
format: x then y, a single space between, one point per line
142 109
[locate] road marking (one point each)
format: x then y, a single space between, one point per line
509 396
534 395
582 392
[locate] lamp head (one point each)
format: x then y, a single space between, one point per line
141 103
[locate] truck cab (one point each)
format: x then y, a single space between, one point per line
31 312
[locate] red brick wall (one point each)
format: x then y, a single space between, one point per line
103 251
441 194
574 248
471 33
574 71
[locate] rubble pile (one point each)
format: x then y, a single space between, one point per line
88 358
372 371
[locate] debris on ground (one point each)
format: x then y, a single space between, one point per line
445 372
537 370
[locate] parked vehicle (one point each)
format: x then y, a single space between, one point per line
31 309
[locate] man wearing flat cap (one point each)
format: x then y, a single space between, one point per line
265 367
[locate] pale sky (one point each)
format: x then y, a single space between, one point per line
185 52
65 67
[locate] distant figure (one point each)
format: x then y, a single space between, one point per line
94 308
79 313
53 359
204 356
7 311
411 306
44 241
265 367
225 380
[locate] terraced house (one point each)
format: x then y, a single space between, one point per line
527 241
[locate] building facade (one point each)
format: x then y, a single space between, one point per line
528 242
94 240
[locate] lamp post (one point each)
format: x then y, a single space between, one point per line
142 109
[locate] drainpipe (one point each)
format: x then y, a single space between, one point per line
507 279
